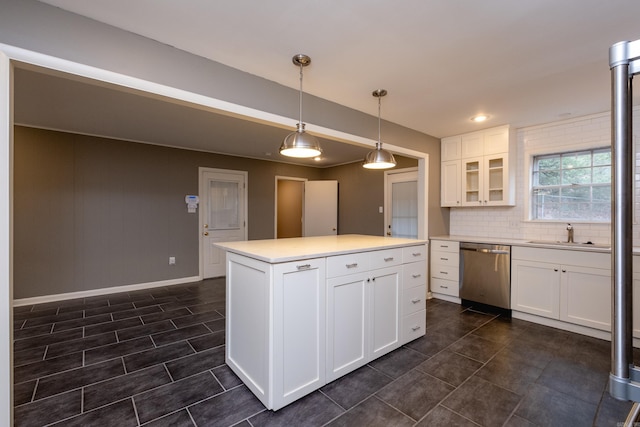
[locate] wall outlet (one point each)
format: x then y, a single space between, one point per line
172 260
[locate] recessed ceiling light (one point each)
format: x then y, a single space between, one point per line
479 118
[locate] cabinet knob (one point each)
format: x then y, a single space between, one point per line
206 233
555 269
564 271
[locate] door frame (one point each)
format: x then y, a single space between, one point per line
275 199
387 199
202 211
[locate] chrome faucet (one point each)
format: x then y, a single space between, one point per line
569 233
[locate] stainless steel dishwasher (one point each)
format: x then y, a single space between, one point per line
485 274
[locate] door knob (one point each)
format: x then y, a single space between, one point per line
206 226
388 233
206 233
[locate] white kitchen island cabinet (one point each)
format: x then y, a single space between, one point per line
304 311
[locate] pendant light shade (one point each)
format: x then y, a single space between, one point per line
300 143
379 158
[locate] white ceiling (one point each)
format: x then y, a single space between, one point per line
523 62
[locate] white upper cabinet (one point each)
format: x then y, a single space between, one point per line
450 148
483 174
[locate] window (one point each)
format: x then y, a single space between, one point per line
572 186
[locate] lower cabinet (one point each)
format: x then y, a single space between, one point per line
293 364
363 319
292 327
567 285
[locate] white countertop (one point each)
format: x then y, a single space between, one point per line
522 242
298 248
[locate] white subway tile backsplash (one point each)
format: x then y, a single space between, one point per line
594 130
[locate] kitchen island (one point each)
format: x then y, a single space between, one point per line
302 312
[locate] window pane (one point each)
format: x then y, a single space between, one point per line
602 174
602 157
548 178
549 163
576 160
576 195
576 176
572 186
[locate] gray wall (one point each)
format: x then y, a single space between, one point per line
94 213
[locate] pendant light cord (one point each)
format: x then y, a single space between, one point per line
379 144
301 94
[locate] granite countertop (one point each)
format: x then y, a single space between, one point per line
299 248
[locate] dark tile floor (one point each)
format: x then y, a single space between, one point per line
156 358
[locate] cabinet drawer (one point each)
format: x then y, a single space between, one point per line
414 274
445 246
413 300
386 258
414 326
414 253
341 265
447 287
446 272
445 258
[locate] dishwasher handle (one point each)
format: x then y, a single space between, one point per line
486 251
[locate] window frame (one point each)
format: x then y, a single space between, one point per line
529 165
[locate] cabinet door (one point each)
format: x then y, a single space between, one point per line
585 296
347 324
385 310
299 311
450 148
450 183
496 140
472 181
472 145
496 180
535 288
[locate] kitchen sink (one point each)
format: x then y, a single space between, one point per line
570 244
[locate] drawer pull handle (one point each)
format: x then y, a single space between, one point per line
354 265
303 266
444 287
388 259
416 253
415 328
443 272
415 301
444 246
444 259
415 276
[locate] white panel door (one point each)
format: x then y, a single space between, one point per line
223 215
401 204
347 324
320 208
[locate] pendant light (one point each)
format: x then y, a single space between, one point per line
379 158
300 143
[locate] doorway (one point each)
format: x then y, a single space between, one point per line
305 208
401 203
223 215
289 202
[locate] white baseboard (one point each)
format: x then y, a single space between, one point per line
103 291
446 297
